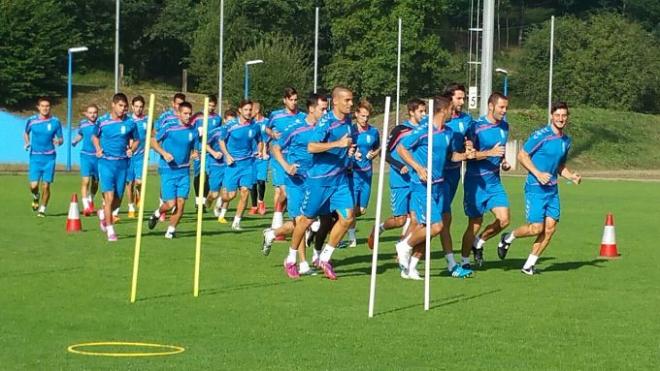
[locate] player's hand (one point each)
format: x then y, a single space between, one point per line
344 142
99 152
229 160
265 156
276 134
543 178
506 166
470 153
372 154
497 151
129 152
217 155
292 169
404 170
26 147
194 155
356 153
469 146
421 172
576 178
73 143
168 157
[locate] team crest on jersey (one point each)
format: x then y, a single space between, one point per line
502 133
123 129
190 137
49 127
461 127
369 139
250 133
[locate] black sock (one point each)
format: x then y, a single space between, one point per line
253 195
261 190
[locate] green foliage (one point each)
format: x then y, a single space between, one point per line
32 63
605 61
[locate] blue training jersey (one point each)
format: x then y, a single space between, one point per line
213 141
42 132
263 124
486 135
548 152
179 140
86 130
141 125
198 121
282 118
168 115
459 125
418 143
366 140
329 167
241 138
114 136
398 180
293 144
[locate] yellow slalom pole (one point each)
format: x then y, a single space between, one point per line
143 193
200 204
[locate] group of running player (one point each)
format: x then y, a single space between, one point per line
321 166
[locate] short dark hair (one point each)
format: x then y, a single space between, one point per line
179 96
229 113
339 88
119 97
558 106
185 104
495 97
441 103
44 99
138 98
213 99
313 100
244 102
289 91
414 103
452 88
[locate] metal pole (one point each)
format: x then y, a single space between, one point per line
506 85
245 87
487 55
68 111
316 49
398 73
220 59
117 47
552 48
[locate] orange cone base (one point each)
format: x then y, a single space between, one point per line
609 252
73 226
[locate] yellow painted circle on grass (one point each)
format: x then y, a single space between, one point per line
168 349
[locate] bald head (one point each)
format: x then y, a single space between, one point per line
342 101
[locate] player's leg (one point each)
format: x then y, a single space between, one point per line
34 190
471 230
399 203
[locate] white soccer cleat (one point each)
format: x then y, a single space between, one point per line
403 253
413 274
352 243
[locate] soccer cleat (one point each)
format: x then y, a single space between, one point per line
216 212
460 272
291 270
478 256
222 220
252 211
262 209
413 274
131 215
102 226
112 238
328 271
267 242
403 254
35 203
531 271
170 235
153 220
308 272
467 266
88 211
316 263
41 214
236 227
370 240
342 244
404 274
503 246
353 243
115 219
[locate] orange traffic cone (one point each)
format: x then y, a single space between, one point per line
73 223
608 248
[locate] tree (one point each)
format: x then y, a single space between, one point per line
35 37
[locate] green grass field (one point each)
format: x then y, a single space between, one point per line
580 313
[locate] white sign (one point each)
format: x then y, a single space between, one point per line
472 98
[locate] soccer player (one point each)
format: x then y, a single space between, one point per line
414 152
327 187
399 172
459 123
237 142
483 188
367 141
111 140
176 143
134 177
170 113
197 120
544 156
215 165
294 140
258 191
220 209
277 122
88 161
42 133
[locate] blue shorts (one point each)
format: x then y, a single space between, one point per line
322 200
400 201
89 166
452 179
216 175
295 187
174 184
279 175
196 165
262 169
361 188
42 167
112 175
480 196
238 175
135 168
539 205
418 202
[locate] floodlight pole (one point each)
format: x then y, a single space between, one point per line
247 76
316 49
552 49
117 47
487 55
220 57
398 72
69 103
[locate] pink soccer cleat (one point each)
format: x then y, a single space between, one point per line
291 270
328 271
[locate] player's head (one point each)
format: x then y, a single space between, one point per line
177 99
245 109
442 107
290 99
497 105
416 110
363 112
317 106
137 104
213 103
92 112
119 104
43 106
455 92
256 109
229 114
185 112
559 112
342 100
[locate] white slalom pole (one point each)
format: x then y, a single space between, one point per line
220 57
398 73
552 49
316 49
429 184
200 203
379 205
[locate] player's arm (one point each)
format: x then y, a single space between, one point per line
526 161
573 176
155 145
391 147
223 147
97 144
277 153
497 151
403 150
59 137
26 140
76 139
318 147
